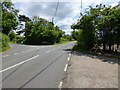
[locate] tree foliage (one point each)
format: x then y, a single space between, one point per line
12 36
19 39
75 34
66 37
24 18
41 31
4 40
100 26
9 17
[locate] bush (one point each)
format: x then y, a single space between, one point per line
12 36
19 39
4 40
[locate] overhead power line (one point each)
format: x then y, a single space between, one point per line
55 11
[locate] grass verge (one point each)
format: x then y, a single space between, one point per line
5 48
61 42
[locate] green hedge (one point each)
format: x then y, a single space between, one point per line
4 40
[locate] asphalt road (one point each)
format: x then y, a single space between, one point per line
28 66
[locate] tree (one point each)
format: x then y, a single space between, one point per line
24 18
108 25
86 25
67 37
99 26
75 34
9 17
41 31
19 39
12 36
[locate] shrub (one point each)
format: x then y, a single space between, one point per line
19 39
4 40
12 36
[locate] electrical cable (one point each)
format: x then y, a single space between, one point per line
56 11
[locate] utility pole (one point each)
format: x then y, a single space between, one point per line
52 19
81 6
55 11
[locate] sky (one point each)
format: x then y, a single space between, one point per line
67 13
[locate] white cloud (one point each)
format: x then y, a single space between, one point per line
68 10
114 4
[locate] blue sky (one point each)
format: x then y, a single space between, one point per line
67 14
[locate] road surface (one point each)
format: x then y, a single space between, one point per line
29 66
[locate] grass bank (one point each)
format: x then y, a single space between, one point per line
61 42
4 40
5 48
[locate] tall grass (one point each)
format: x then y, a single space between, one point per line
4 40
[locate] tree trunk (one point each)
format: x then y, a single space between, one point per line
110 47
104 48
117 47
113 48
